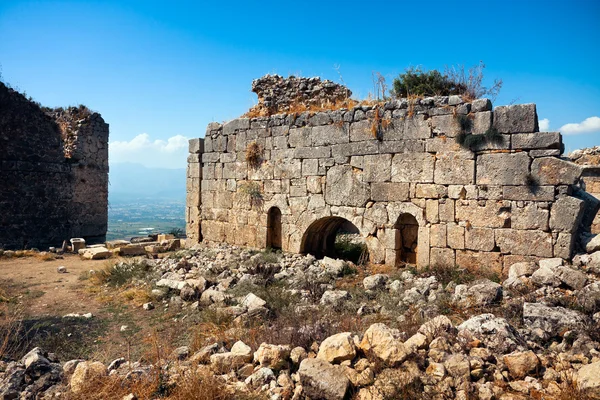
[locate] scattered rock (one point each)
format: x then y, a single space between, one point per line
321 380
337 348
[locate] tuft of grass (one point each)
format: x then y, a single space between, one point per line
450 273
121 273
254 155
252 191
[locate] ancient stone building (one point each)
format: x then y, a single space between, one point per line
434 181
53 173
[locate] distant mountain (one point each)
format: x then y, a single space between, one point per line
129 181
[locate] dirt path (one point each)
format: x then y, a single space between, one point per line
44 291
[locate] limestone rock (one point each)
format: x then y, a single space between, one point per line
593 245
272 356
495 332
384 343
337 348
588 379
334 297
95 253
480 293
85 372
521 364
321 380
521 269
551 321
376 281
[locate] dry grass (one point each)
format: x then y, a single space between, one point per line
379 124
45 256
299 107
254 155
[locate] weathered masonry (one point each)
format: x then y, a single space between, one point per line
53 173
396 172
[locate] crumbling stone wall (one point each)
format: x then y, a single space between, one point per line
387 169
278 94
589 159
53 186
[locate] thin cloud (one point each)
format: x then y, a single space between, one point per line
589 125
158 153
544 124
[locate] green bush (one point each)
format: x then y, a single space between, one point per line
421 83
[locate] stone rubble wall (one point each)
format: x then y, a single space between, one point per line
46 197
277 94
500 203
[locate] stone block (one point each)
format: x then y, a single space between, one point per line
479 105
565 243
530 217
482 122
554 171
236 125
413 167
539 193
287 169
479 262
196 146
416 127
538 140
438 235
502 169
423 255
456 236
447 125
430 191
389 191
310 167
546 153
329 134
519 118
314 184
220 144
566 214
527 243
346 187
299 137
312 152
480 239
452 169
446 210
492 214
361 131
432 211
377 168
400 146
442 257
280 142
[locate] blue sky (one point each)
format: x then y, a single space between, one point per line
159 71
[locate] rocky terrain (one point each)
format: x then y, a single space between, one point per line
292 327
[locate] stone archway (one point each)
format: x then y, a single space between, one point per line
319 239
274 228
407 238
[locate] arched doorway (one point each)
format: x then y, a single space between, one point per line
334 237
274 228
407 235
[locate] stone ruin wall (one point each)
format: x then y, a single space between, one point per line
589 159
492 206
52 187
